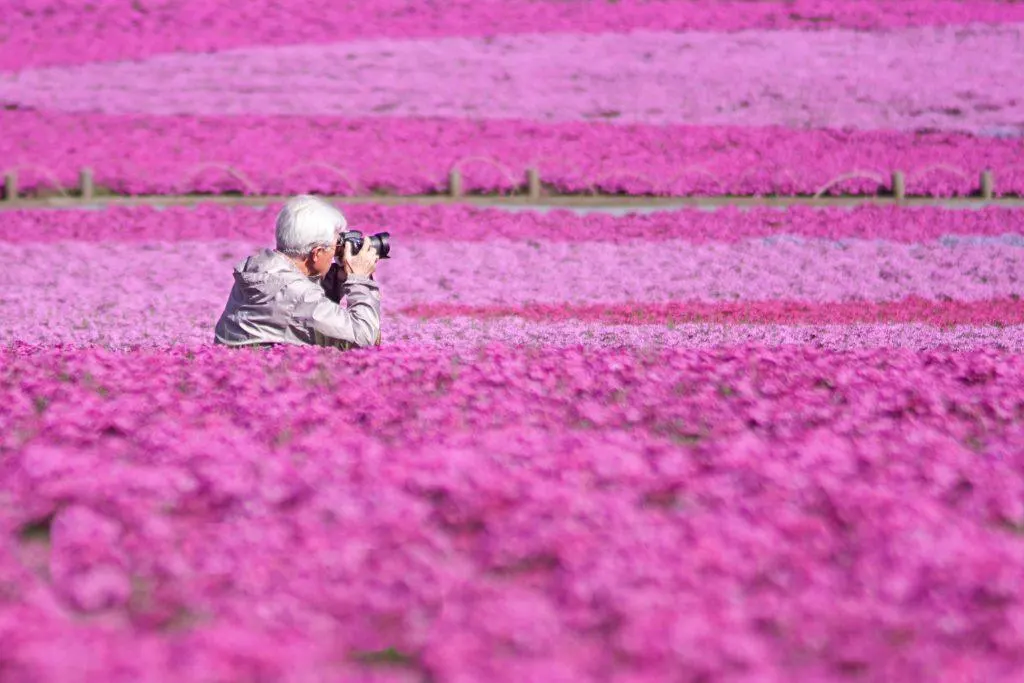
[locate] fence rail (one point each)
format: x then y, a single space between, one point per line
532 190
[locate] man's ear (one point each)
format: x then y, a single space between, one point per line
311 258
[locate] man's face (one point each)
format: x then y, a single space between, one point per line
322 257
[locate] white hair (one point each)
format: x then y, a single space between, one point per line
307 222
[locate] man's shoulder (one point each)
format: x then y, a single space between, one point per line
306 290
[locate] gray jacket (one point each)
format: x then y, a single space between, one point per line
272 302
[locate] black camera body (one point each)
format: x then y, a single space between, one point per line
381 242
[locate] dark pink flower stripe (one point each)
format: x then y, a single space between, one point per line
210 222
993 312
282 155
43 32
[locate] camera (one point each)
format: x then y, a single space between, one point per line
381 242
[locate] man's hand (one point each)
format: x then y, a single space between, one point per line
364 263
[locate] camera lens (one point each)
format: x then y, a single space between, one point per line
382 243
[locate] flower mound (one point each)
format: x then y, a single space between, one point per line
743 514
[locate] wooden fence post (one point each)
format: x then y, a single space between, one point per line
899 185
455 184
86 184
11 186
533 183
988 185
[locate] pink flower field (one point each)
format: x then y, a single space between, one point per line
731 445
741 514
751 445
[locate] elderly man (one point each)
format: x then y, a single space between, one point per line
278 296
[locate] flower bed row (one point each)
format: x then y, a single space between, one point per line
847 80
285 155
522 274
480 329
43 32
956 327
208 222
160 294
511 514
157 277
1000 312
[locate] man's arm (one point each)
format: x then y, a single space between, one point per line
344 289
354 281
333 283
358 323
336 284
